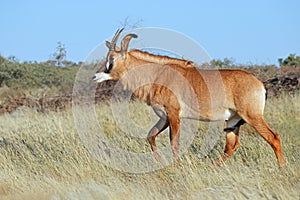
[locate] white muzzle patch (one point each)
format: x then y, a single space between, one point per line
100 77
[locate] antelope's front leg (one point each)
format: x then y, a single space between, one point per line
159 127
174 121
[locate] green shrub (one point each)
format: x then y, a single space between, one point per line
28 76
292 60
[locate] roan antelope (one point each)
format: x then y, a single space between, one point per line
239 99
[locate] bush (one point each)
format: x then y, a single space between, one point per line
292 60
28 76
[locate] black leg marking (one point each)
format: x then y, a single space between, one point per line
240 123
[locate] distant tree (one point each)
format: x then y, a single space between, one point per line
225 63
292 60
12 59
60 54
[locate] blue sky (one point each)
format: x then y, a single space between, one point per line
250 32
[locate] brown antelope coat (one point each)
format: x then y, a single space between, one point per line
176 89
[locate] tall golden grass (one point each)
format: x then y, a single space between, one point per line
43 157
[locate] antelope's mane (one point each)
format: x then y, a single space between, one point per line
159 58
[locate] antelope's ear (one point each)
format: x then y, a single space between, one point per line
108 44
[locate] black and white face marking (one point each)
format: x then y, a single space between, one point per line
109 64
105 75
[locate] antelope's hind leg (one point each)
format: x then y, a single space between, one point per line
159 127
270 136
232 139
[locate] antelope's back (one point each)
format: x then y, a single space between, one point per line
243 90
233 89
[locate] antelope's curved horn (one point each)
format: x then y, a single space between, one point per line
115 39
126 40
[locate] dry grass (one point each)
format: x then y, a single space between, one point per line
43 157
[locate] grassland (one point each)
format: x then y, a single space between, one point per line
42 156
